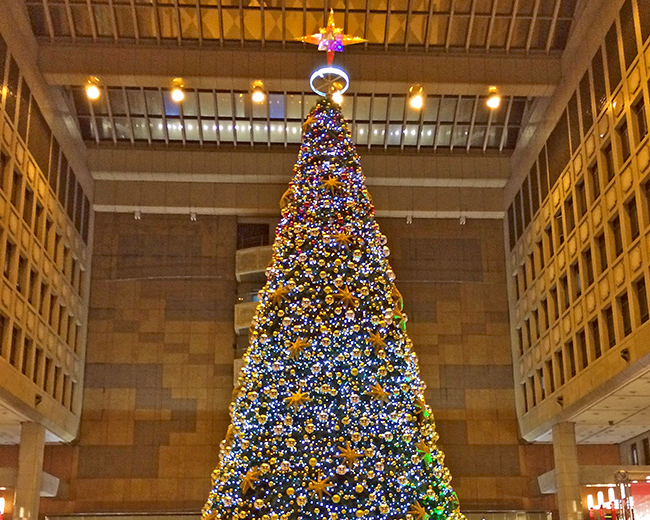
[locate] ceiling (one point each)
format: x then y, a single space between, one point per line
148 116
616 418
530 26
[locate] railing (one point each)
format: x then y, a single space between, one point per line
251 263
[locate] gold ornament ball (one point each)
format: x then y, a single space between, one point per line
383 508
358 488
312 461
290 491
354 371
259 503
301 501
359 513
336 499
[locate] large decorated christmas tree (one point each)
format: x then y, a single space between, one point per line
329 420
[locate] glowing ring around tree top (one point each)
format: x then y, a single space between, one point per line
329 79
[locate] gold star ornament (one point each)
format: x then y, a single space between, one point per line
332 184
377 341
349 454
279 294
378 393
347 298
248 482
297 399
320 485
297 347
418 511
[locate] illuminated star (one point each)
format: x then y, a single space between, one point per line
320 485
330 38
400 318
297 398
279 294
342 238
424 449
418 511
377 341
348 299
397 297
349 454
378 393
248 482
332 184
297 347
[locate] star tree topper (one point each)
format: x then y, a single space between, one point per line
330 38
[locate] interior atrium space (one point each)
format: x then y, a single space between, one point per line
325 259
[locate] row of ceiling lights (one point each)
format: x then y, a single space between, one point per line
258 93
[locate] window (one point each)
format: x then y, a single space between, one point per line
515 282
3 333
533 393
27 356
57 383
608 159
536 320
641 299
511 226
576 284
564 285
28 206
569 215
57 244
624 141
38 356
542 386
534 188
556 303
49 228
610 329
524 276
32 294
10 252
549 238
601 244
4 168
571 356
613 59
646 451
524 391
47 376
624 309
634 454
544 308
588 267
549 372
594 331
594 180
21 281
640 119
581 199
628 38
559 228
531 261
615 228
16 189
559 364
585 103
38 221
632 218
14 352
581 338
529 339
598 72
43 302
540 254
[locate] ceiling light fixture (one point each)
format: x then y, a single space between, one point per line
416 97
258 91
176 91
337 97
494 99
92 88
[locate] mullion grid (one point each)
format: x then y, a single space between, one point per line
406 124
452 19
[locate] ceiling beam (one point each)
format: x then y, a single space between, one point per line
289 69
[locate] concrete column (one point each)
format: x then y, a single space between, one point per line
30 468
567 473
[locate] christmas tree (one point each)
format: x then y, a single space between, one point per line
329 420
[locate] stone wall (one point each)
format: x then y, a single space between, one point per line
160 350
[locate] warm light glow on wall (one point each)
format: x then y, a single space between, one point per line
416 97
176 91
494 99
258 92
93 91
